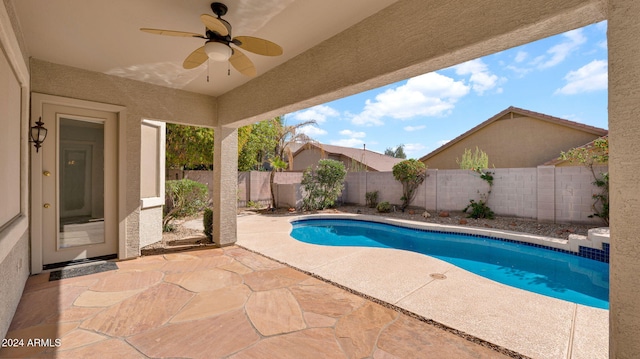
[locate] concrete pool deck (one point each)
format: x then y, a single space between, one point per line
521 321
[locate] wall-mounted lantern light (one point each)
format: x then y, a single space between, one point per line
38 133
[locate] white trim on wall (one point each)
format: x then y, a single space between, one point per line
159 170
14 230
38 101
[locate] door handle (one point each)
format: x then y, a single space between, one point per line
46 205
46 173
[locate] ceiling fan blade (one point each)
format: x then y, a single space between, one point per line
241 62
195 59
214 24
172 33
258 46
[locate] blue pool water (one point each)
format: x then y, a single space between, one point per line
555 274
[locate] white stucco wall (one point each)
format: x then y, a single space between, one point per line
142 101
14 231
624 162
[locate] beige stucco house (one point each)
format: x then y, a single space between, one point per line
515 138
354 159
85 66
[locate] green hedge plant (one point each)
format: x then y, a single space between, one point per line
324 185
384 207
183 198
411 173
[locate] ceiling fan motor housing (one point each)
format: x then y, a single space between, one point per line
219 9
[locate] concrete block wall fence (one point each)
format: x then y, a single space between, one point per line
544 193
252 186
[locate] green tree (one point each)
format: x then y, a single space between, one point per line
324 185
476 161
261 141
398 152
411 173
189 147
282 156
596 153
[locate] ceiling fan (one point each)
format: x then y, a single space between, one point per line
219 41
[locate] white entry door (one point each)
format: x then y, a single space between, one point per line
79 184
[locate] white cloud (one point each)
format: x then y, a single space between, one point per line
442 142
312 131
519 71
481 79
318 113
347 142
430 94
558 53
521 56
414 128
414 148
353 134
590 77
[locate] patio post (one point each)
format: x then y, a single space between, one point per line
225 184
624 169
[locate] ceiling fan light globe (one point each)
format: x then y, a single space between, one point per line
217 51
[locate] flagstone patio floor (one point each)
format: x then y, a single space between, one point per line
216 303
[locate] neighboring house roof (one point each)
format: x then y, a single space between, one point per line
540 116
558 160
295 146
373 160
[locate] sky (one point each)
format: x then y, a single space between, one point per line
563 76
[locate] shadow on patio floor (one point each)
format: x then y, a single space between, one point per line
216 303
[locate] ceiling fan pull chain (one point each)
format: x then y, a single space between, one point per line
208 70
228 69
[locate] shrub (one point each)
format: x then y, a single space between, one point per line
324 185
479 210
183 198
207 220
411 173
473 161
384 207
371 199
252 204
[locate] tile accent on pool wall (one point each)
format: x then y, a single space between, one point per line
600 255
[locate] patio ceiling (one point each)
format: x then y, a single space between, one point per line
104 36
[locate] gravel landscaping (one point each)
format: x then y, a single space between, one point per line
460 218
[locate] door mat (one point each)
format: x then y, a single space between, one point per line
80 271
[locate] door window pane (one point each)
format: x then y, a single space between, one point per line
81 183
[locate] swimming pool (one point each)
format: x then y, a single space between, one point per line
555 274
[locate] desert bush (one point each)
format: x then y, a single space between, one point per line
411 173
473 161
323 186
479 210
183 198
384 207
371 199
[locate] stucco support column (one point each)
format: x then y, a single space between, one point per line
225 183
624 169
